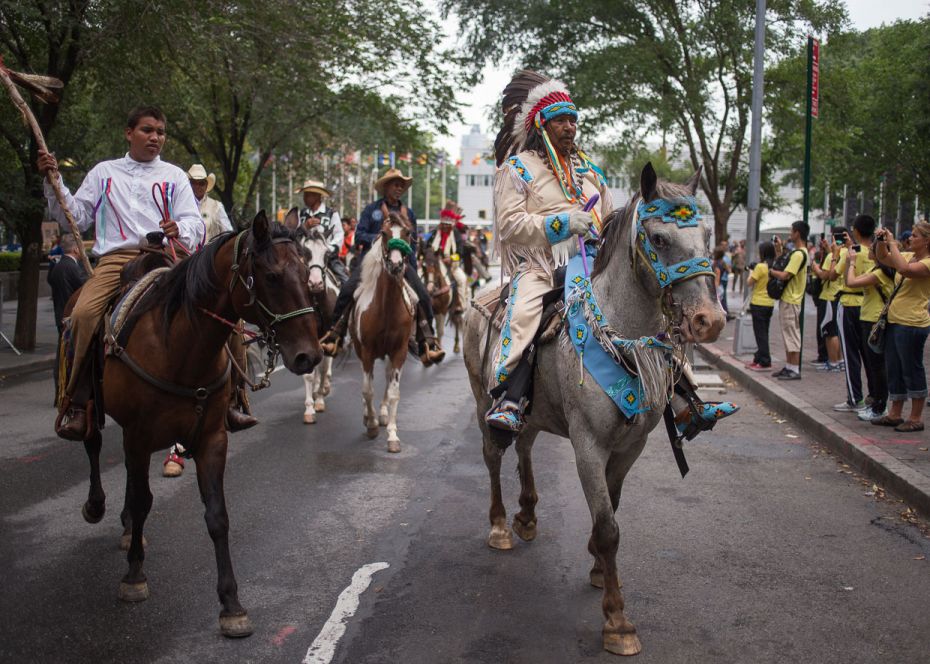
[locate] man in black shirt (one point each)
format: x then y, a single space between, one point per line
65 277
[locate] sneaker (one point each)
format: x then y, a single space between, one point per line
755 366
867 415
780 372
788 374
847 407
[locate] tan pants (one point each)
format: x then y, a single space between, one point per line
461 283
91 305
524 311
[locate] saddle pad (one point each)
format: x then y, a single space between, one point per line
124 306
493 302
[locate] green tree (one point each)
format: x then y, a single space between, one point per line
654 66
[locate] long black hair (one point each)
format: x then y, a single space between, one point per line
767 253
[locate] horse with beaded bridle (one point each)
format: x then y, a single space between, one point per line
167 381
382 321
652 280
324 289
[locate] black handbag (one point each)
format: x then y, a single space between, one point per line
876 338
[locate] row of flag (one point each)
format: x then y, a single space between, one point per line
391 159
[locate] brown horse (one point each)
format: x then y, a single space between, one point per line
438 283
382 322
168 381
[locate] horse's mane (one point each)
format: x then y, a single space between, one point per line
192 283
613 237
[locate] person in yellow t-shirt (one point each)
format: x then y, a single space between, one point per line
850 303
761 307
829 327
876 282
789 308
908 327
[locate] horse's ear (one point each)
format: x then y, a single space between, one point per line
292 219
647 182
260 228
694 181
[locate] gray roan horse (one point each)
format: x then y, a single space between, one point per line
323 292
605 443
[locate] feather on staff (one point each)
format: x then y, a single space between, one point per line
43 88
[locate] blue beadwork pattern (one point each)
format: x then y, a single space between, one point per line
557 109
668 275
557 227
500 372
624 389
684 213
520 168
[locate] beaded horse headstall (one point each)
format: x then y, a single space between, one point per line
684 213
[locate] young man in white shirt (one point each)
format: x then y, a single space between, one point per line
117 197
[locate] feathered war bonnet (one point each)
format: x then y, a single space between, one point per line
529 100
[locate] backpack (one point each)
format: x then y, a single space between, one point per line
776 287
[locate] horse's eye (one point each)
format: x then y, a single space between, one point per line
659 241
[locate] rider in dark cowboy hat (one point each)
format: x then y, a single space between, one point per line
391 186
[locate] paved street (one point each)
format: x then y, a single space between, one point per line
769 551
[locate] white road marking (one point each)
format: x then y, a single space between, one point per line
323 648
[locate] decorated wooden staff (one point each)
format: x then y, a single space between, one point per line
41 88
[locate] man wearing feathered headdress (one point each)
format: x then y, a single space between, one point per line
448 244
541 188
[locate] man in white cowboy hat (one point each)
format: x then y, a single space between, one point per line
214 214
391 186
316 213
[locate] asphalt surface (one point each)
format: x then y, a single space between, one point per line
769 551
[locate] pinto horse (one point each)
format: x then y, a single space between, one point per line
382 322
324 289
169 382
438 283
636 302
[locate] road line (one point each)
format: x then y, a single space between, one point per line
323 648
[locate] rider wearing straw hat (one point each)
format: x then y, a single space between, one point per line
391 186
214 214
316 213
117 197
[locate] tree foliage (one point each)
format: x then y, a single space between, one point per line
652 66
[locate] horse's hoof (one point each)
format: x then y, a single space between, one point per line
394 446
383 419
500 539
236 627
90 514
372 432
309 418
126 539
526 532
133 592
319 406
622 644
456 349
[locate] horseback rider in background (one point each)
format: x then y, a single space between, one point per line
391 186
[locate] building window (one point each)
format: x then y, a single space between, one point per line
482 214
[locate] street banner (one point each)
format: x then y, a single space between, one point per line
815 78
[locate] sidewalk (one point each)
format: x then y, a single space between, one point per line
40 359
898 462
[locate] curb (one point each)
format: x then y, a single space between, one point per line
21 370
865 456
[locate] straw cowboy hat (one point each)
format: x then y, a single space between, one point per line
198 172
314 186
392 174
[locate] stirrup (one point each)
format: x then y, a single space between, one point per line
705 417
506 415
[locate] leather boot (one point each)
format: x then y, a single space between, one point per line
332 341
72 423
236 420
432 353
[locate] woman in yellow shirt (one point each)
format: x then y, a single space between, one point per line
761 307
876 282
908 327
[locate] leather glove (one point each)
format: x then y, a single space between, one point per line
579 222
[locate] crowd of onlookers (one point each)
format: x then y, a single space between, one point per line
871 292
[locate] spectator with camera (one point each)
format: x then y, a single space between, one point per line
877 283
792 280
761 306
908 325
829 328
814 289
850 303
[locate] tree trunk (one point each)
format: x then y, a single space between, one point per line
28 297
721 217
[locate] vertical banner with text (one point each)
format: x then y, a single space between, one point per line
815 78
